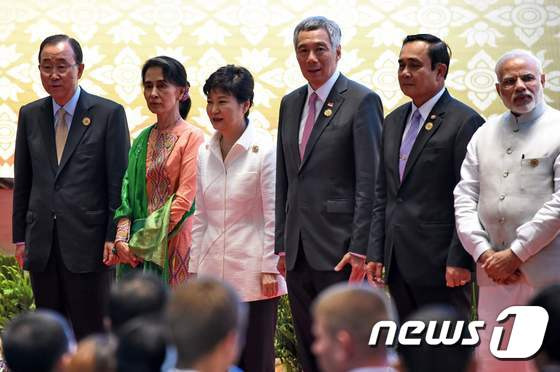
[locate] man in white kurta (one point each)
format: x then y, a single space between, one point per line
507 203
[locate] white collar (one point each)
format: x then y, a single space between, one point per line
324 90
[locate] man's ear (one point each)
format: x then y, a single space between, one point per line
441 71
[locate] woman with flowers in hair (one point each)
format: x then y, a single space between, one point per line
157 198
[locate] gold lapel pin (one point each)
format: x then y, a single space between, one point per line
255 148
86 121
429 125
534 163
327 112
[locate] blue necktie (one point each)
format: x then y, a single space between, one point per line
408 142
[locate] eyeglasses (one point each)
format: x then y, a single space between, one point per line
60 69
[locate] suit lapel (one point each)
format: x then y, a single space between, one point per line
294 120
334 102
435 117
77 129
47 128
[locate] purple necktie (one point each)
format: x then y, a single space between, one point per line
309 121
408 141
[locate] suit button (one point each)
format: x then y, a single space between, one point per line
506 173
399 200
509 150
502 197
502 220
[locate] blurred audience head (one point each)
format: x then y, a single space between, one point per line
206 322
424 357
40 341
549 355
142 345
343 316
95 353
136 294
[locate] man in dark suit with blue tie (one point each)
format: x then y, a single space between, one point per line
328 136
413 226
71 154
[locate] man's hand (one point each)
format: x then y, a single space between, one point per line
281 265
513 278
358 267
501 265
20 254
269 284
485 256
456 276
375 273
109 254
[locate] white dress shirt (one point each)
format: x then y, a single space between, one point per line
322 94
233 229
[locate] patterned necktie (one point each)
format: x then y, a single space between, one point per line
61 132
309 121
408 141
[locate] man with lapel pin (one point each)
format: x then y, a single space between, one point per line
328 138
413 226
71 154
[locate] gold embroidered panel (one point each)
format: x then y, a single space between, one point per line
117 36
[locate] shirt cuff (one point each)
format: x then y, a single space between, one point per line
20 243
281 254
517 248
362 256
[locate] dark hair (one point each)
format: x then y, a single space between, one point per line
173 72
234 80
438 52
136 294
35 341
549 299
142 345
200 315
55 39
424 357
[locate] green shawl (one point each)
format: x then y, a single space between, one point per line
149 233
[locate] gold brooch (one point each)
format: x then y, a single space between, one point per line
429 125
327 112
255 148
534 162
86 121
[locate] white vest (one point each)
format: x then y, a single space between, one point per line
516 158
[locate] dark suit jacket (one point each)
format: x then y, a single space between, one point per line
414 220
327 198
81 193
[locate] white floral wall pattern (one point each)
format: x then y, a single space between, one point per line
117 36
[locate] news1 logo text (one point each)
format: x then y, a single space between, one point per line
526 337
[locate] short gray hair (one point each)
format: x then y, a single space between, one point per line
316 23
517 53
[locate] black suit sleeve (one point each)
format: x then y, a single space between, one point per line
367 137
117 144
376 247
22 177
281 188
457 256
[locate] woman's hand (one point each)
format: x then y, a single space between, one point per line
269 284
125 255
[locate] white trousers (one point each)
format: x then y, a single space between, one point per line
492 300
